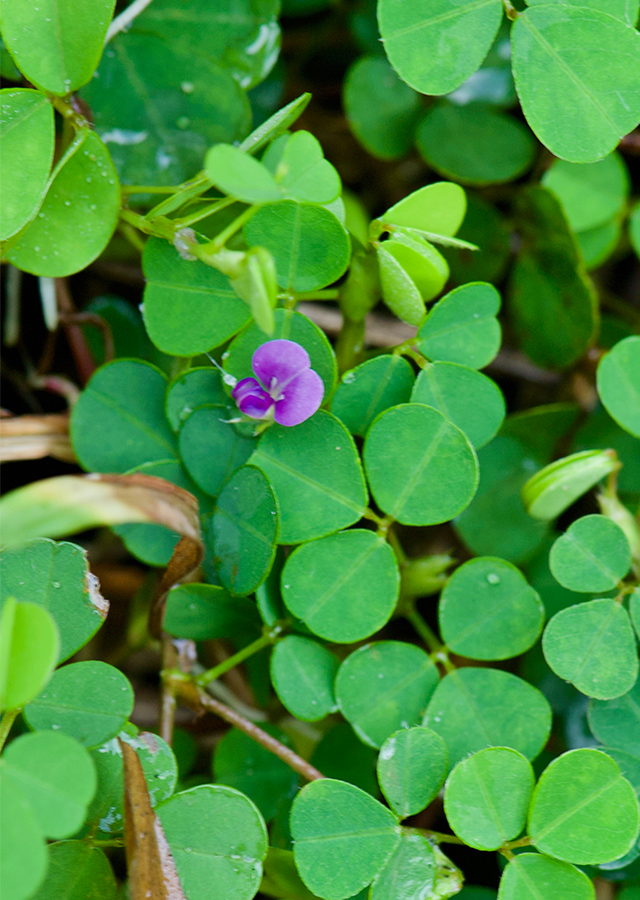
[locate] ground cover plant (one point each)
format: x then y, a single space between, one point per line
321 558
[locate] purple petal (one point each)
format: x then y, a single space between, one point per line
302 397
280 359
251 399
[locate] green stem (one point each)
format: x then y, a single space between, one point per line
326 294
510 11
423 630
149 189
211 674
159 227
6 723
66 110
204 212
221 239
439 836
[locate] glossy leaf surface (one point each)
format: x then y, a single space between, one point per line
412 766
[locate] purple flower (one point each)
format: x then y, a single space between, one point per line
286 387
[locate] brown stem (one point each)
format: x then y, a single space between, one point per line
79 348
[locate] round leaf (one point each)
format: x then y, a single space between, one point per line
369 389
486 797
23 852
409 873
412 766
383 687
344 587
489 611
434 473
474 145
342 838
78 214
239 175
204 611
597 244
217 837
301 170
205 429
462 327
619 384
437 208
616 722
529 876
475 708
29 650
593 555
465 397
316 475
591 195
26 144
554 488
583 811
77 871
201 386
303 673
593 646
91 701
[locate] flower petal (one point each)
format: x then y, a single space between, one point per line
302 397
251 399
279 359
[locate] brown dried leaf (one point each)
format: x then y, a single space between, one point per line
33 437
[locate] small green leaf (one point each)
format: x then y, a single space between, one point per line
437 208
344 587
462 327
400 293
487 796
255 283
474 708
217 837
29 650
188 307
412 766
201 386
616 722
303 673
529 876
23 853
434 473
68 233
410 872
583 811
593 646
619 384
26 144
275 125
205 429
593 555
342 838
239 175
489 611
58 58
57 777
467 398
77 871
590 194
300 169
369 389
384 686
206 611
91 701
554 488
625 10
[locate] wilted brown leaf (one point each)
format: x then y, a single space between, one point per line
33 437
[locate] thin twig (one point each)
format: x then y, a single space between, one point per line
126 17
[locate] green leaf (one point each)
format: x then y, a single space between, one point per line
616 723
625 10
597 245
300 169
474 708
281 876
62 57
487 796
26 145
553 489
593 555
57 777
239 175
619 384
255 282
23 853
529 876
437 208
241 763
474 144
275 125
583 811
344 587
434 473
68 234
207 428
408 263
409 872
310 247
77 871
462 327
29 650
578 104
56 577
342 755
412 766
159 107
553 306
435 46
118 421
206 611
189 307
467 398
316 475
201 386
384 686
541 428
303 673
217 837
245 531
342 838
91 701
106 812
381 110
592 194
370 389
127 330
593 646
489 611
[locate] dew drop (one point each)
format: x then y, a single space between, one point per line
492 578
